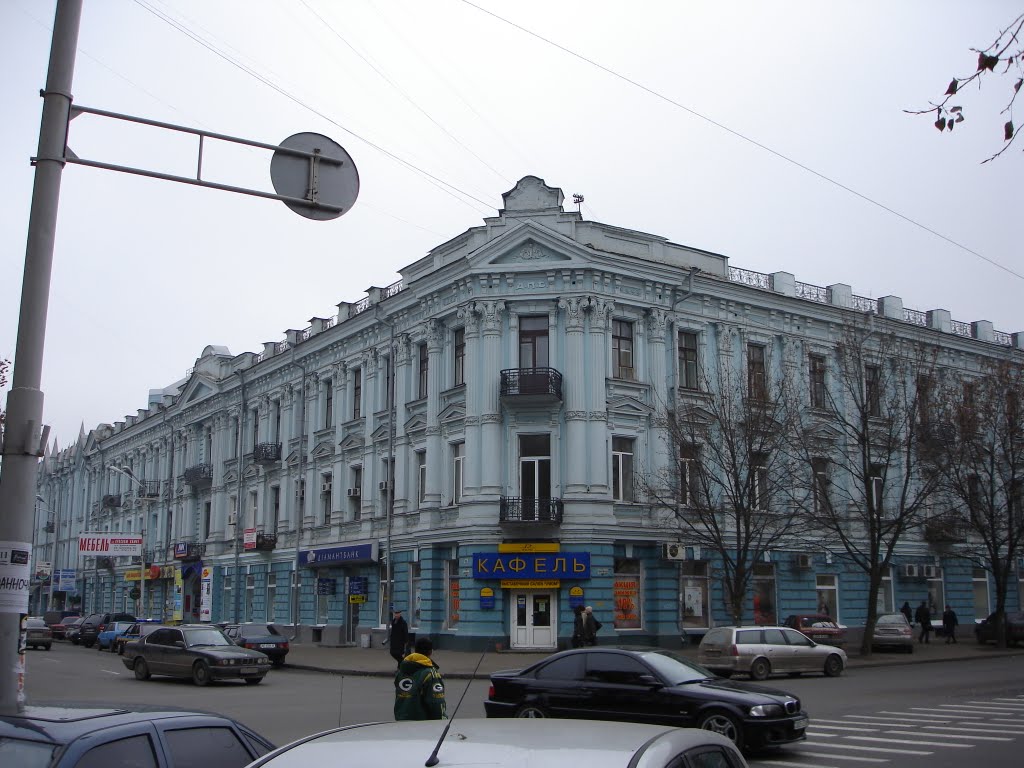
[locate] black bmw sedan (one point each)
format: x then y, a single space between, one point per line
647 686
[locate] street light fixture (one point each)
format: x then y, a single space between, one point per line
126 472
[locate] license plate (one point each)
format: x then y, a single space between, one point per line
249 670
819 637
800 723
267 645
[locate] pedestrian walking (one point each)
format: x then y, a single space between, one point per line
590 626
398 642
907 611
949 624
419 688
923 616
577 626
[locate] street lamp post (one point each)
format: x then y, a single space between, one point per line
126 472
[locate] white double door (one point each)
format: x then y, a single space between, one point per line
533 620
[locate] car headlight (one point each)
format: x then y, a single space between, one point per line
767 710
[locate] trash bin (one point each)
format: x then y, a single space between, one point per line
364 641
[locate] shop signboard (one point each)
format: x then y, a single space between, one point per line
531 565
110 544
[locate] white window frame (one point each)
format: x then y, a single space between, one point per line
622 470
458 472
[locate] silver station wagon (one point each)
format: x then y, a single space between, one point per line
763 651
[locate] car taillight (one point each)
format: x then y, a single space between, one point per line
101 627
734 650
284 645
490 692
248 645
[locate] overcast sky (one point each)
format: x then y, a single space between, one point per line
443 107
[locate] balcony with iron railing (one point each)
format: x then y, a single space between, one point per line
148 489
529 386
111 500
944 529
265 542
519 510
49 527
199 475
188 551
266 453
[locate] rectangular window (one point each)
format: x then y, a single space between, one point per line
819 488
622 469
458 471
757 384
207 513
533 342
876 483
979 581
688 360
763 589
355 492
421 476
453 603
357 392
622 350
326 498
816 372
271 598
627 593
423 371
689 475
885 602
385 486
924 399
250 596
275 406
328 404
275 503
255 427
694 594
459 352
828 595
872 390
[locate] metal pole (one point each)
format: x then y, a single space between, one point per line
390 508
238 503
22 443
296 582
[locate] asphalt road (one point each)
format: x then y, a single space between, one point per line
929 715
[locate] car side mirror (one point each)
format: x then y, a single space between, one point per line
650 681
179 643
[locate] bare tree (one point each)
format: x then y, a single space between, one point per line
725 491
867 476
983 455
1007 53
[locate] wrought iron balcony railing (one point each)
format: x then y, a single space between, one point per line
266 542
944 530
199 475
149 489
266 453
49 527
535 383
515 509
111 500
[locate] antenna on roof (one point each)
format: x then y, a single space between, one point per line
432 760
578 199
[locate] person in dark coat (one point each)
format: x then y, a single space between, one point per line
577 627
907 611
924 617
399 641
590 626
419 688
949 622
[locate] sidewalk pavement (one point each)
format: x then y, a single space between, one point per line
377 662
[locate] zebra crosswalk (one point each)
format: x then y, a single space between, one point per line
893 736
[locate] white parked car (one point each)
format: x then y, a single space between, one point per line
763 651
508 743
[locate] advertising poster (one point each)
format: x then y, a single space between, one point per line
627 600
206 596
179 589
249 538
110 544
15 557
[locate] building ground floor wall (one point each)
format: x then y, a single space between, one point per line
523 594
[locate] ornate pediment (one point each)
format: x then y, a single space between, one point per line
628 406
352 442
197 390
322 450
528 247
418 423
454 412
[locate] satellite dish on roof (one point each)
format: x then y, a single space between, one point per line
318 170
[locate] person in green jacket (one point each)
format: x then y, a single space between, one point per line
419 688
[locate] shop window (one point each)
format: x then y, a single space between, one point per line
979 580
271 598
452 598
763 587
693 595
885 602
626 592
828 595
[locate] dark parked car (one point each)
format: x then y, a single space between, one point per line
59 629
818 627
72 628
95 623
137 630
66 736
37 634
985 630
199 651
260 637
647 686
52 618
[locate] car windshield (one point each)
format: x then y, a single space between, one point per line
36 623
260 631
676 669
892 618
26 754
206 637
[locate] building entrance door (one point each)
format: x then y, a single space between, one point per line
533 620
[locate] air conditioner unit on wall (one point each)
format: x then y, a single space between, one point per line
353 492
673 551
325 487
382 485
804 561
932 572
911 571
232 518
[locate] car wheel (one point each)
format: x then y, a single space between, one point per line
200 673
253 680
723 723
531 710
833 666
141 669
910 649
760 669
120 650
47 646
278 663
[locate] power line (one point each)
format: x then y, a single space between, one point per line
741 136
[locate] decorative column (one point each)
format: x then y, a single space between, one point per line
405 373
435 447
574 390
339 380
492 319
597 395
309 397
657 323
